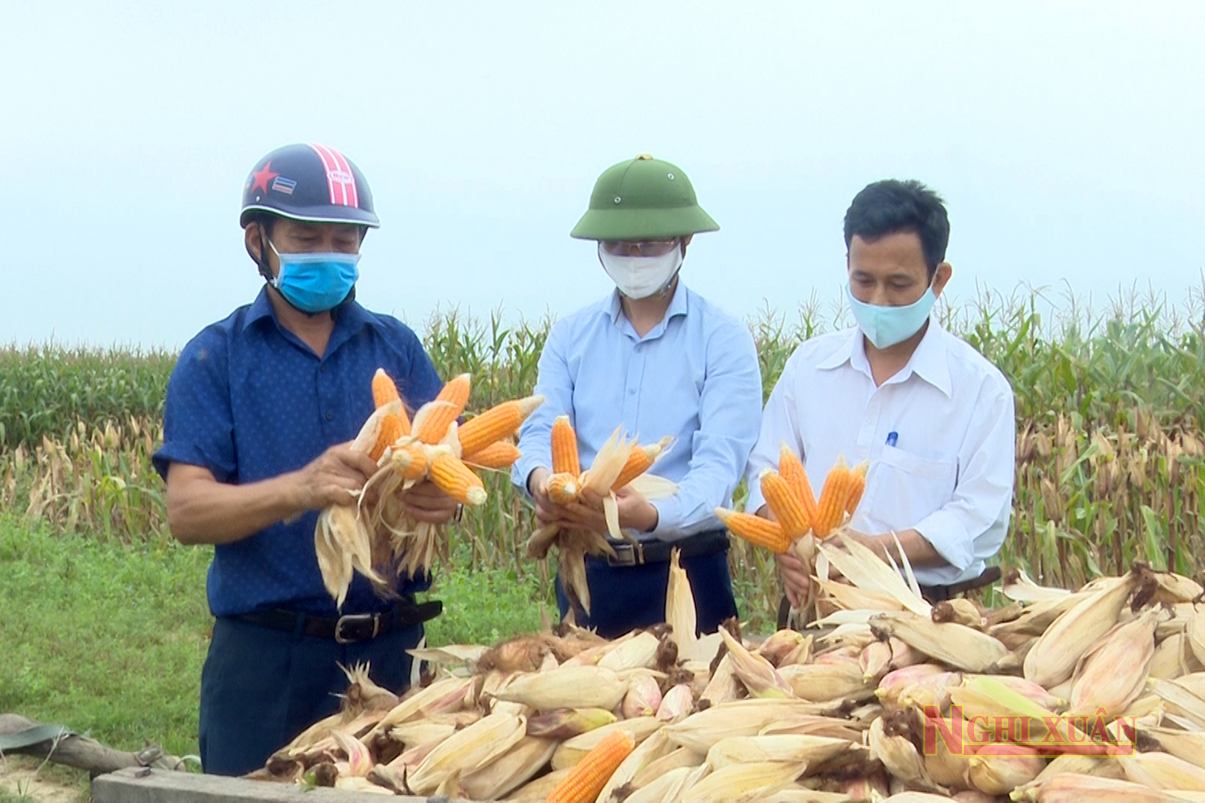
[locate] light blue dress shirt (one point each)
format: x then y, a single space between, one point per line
694 377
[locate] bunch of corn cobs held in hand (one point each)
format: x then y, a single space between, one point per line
380 540
1059 695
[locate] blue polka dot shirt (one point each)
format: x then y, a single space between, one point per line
248 400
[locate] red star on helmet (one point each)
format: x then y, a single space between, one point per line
262 177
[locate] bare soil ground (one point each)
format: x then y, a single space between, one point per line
27 780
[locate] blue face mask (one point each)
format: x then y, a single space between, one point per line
887 326
316 282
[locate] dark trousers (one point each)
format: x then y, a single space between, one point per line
261 687
624 598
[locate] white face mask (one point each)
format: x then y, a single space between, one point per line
640 276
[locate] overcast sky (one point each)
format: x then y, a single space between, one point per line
1066 137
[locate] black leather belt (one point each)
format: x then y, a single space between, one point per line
693 546
942 593
349 628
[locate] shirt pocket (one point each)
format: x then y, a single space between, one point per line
904 488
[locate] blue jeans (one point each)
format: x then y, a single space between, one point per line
624 598
261 687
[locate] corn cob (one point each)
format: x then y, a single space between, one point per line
1053 657
500 454
565 459
784 504
563 488
572 751
590 775
640 460
467 751
410 462
1113 672
792 470
435 425
997 769
1163 771
831 507
454 478
391 430
383 389
755 780
496 423
856 488
755 530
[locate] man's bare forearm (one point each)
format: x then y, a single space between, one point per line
204 511
919 551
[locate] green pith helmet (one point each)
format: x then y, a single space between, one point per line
642 199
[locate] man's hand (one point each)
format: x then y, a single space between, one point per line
795 578
331 477
635 512
426 502
547 511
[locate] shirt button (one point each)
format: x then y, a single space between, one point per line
632 392
329 415
322 368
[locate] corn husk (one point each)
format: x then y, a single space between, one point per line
566 687
743 781
467 751
510 770
953 644
1053 658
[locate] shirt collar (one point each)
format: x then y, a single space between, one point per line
349 319
928 361
678 305
849 349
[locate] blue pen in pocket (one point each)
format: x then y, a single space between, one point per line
892 437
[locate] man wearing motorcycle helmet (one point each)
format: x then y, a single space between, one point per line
659 360
260 412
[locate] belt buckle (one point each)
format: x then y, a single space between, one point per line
625 555
356 618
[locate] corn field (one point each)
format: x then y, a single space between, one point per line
1110 454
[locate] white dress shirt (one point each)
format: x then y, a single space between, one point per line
948 417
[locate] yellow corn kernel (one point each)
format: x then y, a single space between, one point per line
435 425
456 480
391 430
410 462
792 470
499 454
857 487
563 488
755 530
640 460
833 497
588 777
784 504
496 423
565 459
383 389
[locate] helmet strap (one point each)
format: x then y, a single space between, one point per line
265 269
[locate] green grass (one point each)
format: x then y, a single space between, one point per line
108 639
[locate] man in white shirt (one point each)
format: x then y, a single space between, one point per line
933 417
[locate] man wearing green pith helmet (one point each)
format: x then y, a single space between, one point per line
658 360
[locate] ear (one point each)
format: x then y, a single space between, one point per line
942 275
685 242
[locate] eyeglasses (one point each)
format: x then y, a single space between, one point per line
645 248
